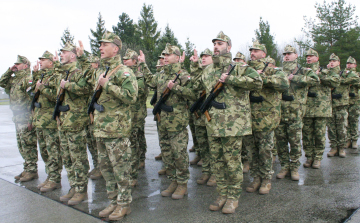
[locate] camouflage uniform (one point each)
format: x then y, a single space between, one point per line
239 56
337 124
19 85
173 134
228 126
354 107
73 123
112 127
293 107
318 110
46 127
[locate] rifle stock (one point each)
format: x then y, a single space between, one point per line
36 95
59 101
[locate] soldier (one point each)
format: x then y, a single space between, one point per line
112 124
239 57
318 110
354 107
225 129
17 82
139 113
265 116
337 124
71 124
293 107
46 128
173 134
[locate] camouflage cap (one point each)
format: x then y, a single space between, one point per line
206 52
222 37
47 55
161 55
22 59
258 46
289 49
110 37
351 60
94 59
239 56
169 49
158 64
130 54
312 52
69 47
334 57
268 59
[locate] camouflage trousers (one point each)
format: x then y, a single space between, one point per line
27 145
247 144
289 132
91 144
274 150
353 122
114 162
142 143
174 155
135 153
261 155
75 159
193 134
313 134
203 148
337 125
49 143
228 169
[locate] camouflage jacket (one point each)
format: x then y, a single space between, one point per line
299 85
76 96
180 93
19 85
42 117
117 94
196 70
318 103
266 114
354 90
347 78
235 119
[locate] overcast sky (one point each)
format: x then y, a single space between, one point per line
30 27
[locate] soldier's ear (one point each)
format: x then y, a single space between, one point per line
228 48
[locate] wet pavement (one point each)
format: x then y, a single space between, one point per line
329 194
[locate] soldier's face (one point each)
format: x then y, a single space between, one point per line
162 61
66 56
257 54
237 60
206 60
334 63
311 59
21 66
130 62
95 65
45 63
290 56
351 65
108 50
171 58
221 47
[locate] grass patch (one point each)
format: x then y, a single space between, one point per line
4 101
148 105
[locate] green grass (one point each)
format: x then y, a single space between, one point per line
4 101
148 105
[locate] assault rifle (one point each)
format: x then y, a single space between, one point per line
153 98
93 103
337 96
290 97
34 102
210 100
194 107
258 99
59 100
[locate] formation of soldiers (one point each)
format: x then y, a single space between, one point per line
241 115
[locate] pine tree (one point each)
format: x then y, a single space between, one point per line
67 37
189 51
97 35
126 30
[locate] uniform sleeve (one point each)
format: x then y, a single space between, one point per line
307 78
277 81
246 78
352 78
330 79
185 88
5 80
80 87
49 90
150 79
125 88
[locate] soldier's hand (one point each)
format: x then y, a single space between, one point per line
38 84
223 77
80 49
141 58
260 71
170 85
328 66
36 67
182 58
13 68
62 84
291 77
194 58
102 80
56 57
30 126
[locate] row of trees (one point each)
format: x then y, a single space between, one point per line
334 30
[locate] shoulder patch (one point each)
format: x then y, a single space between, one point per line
28 89
30 81
127 74
188 77
347 71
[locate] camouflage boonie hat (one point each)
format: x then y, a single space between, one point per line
222 37
22 59
161 55
289 49
239 56
206 52
169 49
110 37
312 52
69 47
334 57
268 59
94 59
47 55
130 54
258 46
351 60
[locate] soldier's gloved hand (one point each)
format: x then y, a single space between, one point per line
62 84
194 58
80 49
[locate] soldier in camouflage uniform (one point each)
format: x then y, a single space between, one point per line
18 84
112 124
337 124
139 113
239 57
228 126
293 107
71 124
265 116
354 106
318 110
173 134
46 127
